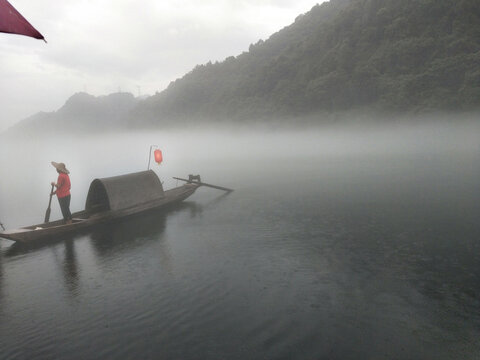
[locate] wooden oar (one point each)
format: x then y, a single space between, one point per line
47 213
205 184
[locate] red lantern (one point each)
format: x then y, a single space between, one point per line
158 156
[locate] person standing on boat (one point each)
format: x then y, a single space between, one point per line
63 190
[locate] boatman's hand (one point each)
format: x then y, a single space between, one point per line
52 183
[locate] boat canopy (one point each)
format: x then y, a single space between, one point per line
124 191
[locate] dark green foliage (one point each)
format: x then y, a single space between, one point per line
402 56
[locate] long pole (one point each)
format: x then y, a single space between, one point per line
150 155
47 213
205 184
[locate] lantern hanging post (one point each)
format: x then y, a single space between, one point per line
150 155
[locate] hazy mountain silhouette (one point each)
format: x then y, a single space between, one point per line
82 112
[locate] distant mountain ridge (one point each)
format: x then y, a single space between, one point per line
402 57
82 112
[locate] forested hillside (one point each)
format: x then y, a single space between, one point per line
405 56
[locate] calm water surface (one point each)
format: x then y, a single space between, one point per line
360 256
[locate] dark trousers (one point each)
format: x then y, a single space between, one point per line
65 207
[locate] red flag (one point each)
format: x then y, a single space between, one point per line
12 22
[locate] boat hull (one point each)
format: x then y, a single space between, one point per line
84 219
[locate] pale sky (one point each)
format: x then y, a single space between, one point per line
103 46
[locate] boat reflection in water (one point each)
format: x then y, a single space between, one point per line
114 242
70 267
1 276
128 234
68 264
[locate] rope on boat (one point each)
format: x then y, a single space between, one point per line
2 225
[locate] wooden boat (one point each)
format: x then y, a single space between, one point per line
111 199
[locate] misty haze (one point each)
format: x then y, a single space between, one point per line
350 138
327 230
